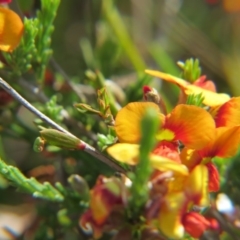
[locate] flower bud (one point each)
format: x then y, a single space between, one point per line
60 139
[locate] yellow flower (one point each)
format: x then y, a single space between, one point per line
11 30
210 98
192 125
192 190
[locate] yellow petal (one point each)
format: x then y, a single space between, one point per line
192 125
11 30
231 5
167 77
210 98
196 186
190 158
128 119
170 216
125 152
165 164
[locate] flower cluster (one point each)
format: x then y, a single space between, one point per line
183 175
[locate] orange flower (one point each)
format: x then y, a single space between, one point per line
228 114
105 196
192 125
182 195
231 5
210 98
11 30
225 144
128 153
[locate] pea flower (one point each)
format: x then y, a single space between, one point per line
182 193
11 29
211 98
106 197
227 114
224 144
192 125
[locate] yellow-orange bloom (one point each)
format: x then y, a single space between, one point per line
129 153
225 144
228 114
192 190
11 29
190 124
128 119
210 98
231 5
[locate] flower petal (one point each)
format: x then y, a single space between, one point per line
125 152
210 98
197 185
128 119
192 125
214 182
167 149
205 84
225 144
88 225
190 158
11 30
165 164
195 224
170 217
228 114
231 5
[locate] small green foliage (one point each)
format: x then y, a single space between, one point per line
20 60
53 110
191 69
63 217
79 185
105 140
104 107
30 185
195 99
139 189
38 144
46 17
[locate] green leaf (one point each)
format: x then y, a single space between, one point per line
139 190
30 185
191 69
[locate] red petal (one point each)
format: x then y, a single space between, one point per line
168 150
208 85
213 175
192 125
228 114
195 224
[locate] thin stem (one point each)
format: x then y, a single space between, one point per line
87 148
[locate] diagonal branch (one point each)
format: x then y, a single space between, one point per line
87 148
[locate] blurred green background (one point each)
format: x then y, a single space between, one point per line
89 34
